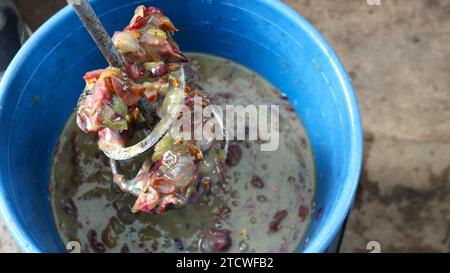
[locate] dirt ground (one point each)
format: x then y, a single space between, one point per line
398 56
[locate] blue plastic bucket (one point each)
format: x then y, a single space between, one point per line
41 86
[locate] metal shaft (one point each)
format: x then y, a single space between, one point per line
97 31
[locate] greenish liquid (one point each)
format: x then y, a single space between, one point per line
80 172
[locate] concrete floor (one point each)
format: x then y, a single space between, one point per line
398 56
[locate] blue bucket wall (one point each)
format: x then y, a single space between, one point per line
42 84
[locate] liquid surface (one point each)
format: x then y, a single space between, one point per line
90 209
